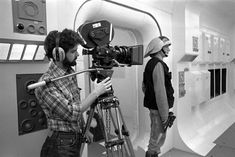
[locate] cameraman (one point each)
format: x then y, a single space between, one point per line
158 92
60 100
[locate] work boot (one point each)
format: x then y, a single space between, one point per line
149 154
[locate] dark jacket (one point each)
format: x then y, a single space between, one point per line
149 98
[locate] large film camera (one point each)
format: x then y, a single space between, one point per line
97 36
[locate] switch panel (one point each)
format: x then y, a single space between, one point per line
31 117
29 16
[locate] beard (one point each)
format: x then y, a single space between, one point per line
165 53
68 63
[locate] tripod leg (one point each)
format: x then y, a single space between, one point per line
120 147
114 124
112 149
87 128
105 133
127 139
118 124
117 127
117 132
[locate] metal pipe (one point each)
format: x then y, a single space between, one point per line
123 5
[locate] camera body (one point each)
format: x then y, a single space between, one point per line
97 36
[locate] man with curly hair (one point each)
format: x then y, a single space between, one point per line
60 100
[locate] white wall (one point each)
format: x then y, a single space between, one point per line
192 120
232 78
11 144
61 14
28 145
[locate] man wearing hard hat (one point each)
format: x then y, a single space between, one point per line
158 92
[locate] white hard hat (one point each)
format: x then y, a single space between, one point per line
155 45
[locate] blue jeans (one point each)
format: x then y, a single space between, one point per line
62 144
157 135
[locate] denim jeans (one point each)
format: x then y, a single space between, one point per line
62 144
157 135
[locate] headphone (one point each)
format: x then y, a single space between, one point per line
58 53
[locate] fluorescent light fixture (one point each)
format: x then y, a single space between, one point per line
40 54
4 49
21 50
29 52
16 51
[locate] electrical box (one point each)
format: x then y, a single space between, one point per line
197 85
193 85
216 54
222 53
228 56
191 36
207 52
200 57
205 85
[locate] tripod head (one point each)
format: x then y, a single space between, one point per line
101 74
109 102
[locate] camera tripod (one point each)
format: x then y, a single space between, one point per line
118 145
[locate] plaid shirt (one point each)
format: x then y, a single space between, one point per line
60 100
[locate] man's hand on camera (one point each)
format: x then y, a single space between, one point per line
103 86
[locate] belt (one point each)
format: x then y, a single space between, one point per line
63 134
62 138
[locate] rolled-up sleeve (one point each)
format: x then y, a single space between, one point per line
60 106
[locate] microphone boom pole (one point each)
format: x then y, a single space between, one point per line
47 81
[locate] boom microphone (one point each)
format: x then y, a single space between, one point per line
47 81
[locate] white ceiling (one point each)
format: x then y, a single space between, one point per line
222 8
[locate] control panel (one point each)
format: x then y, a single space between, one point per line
31 117
29 16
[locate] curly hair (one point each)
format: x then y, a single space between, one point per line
67 40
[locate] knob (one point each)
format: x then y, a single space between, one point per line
20 27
